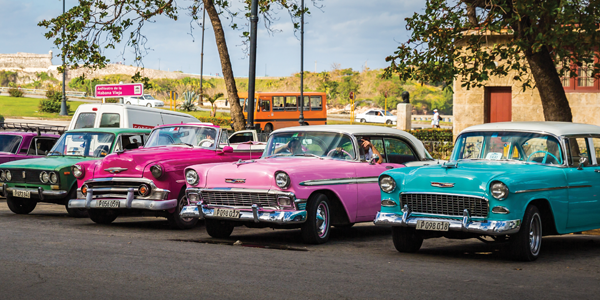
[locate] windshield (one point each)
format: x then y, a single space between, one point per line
515 146
10 143
320 144
148 97
90 144
192 136
387 113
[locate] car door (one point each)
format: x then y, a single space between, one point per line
378 117
369 116
583 184
40 146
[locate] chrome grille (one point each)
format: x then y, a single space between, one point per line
444 204
116 189
239 198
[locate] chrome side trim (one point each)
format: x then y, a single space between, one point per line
465 224
553 188
336 181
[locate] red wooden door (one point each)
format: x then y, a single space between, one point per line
499 104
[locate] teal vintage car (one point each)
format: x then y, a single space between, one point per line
512 182
24 183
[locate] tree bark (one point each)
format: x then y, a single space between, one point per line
237 115
554 99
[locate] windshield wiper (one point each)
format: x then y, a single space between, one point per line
187 144
307 154
59 153
278 154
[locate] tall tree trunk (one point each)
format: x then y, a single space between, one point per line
237 115
554 100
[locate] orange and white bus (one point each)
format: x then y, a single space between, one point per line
281 109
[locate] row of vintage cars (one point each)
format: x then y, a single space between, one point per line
505 182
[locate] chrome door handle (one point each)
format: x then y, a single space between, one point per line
597 170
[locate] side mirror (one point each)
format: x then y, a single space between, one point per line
373 160
582 161
226 149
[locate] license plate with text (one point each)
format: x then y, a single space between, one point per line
227 213
433 225
108 204
21 194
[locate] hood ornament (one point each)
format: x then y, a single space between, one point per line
115 170
232 180
449 165
442 184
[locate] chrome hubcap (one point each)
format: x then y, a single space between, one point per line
535 234
322 219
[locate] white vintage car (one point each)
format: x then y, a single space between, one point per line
376 116
146 100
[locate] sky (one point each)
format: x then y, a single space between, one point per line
349 33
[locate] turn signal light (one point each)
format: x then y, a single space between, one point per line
84 189
144 190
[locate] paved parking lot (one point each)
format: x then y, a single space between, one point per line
49 255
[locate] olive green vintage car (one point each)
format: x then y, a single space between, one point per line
24 183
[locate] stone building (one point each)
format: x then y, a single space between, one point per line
503 99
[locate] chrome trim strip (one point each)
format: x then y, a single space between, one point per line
464 224
441 193
553 188
336 181
242 190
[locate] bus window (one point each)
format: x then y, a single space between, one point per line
278 103
316 103
306 103
265 105
245 105
290 103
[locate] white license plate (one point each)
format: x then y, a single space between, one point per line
108 203
21 194
433 225
227 213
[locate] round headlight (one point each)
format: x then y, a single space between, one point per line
2 176
144 190
78 171
499 190
44 177
191 177
282 179
53 178
8 175
156 171
387 183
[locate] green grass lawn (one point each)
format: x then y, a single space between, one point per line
12 107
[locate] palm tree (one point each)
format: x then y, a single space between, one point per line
212 99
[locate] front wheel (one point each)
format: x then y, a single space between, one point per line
74 212
128 103
20 206
317 227
218 229
526 244
389 122
148 105
177 221
406 239
103 216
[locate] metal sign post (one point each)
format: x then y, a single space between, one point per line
252 71
351 108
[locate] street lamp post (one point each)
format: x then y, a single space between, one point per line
252 71
63 104
301 118
202 59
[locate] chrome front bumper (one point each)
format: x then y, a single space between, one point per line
255 214
127 203
465 225
39 192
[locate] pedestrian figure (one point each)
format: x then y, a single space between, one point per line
435 121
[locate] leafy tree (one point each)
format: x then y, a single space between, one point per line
96 25
213 99
472 40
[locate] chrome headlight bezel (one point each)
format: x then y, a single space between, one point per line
2 176
53 177
499 190
282 179
78 171
44 177
156 171
191 177
387 184
8 175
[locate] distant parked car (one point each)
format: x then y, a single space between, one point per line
22 145
376 116
146 100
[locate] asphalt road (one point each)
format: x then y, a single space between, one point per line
47 255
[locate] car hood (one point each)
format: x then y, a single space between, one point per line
259 174
46 163
474 177
132 163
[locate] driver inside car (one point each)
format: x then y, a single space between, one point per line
209 139
293 146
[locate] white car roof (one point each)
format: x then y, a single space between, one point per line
555 128
358 130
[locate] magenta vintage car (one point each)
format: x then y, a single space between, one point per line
309 177
23 145
150 181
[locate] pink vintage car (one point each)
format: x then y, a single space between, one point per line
23 145
309 177
149 181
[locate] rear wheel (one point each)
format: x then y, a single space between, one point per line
363 120
103 216
129 103
218 228
526 244
20 206
406 239
317 227
176 220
